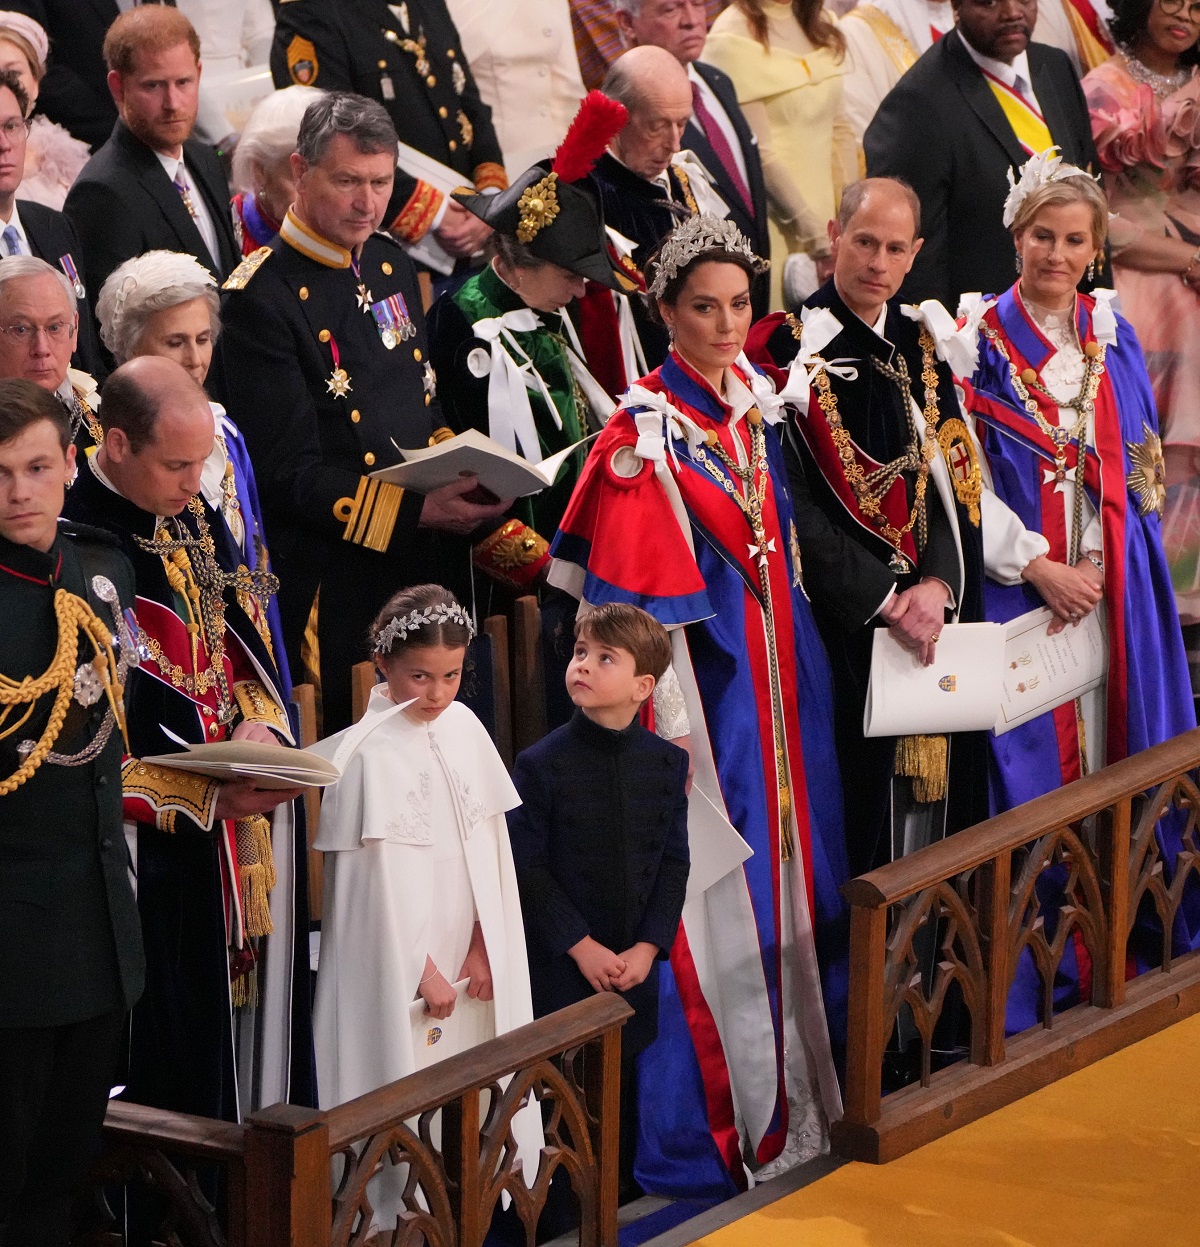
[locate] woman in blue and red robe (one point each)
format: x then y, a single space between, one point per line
682 509
1081 367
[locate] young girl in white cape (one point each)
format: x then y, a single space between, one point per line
420 889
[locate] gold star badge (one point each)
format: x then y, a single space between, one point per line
1148 479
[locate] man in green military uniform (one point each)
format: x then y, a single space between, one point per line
408 57
324 365
71 962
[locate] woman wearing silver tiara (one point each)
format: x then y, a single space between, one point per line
683 510
1061 400
421 937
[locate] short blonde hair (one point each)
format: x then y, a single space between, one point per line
1079 189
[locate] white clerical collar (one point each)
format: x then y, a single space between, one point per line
1015 76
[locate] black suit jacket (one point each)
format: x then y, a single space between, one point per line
753 225
601 849
52 238
123 204
943 131
74 91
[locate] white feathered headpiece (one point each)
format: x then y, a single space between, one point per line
1036 172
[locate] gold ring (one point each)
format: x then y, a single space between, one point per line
937 636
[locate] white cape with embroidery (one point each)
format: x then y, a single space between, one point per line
415 845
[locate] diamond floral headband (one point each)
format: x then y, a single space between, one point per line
402 626
695 236
1036 172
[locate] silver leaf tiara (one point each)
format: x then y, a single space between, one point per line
439 613
693 237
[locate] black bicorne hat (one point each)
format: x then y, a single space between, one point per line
553 208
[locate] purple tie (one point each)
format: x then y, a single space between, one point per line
720 145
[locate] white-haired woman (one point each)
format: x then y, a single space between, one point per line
53 158
166 303
262 169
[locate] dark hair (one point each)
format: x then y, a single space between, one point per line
365 122
126 406
22 403
674 286
514 254
856 193
450 634
12 80
810 17
1129 21
621 626
147 28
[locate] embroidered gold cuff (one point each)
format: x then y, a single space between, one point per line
514 554
371 514
258 706
489 175
440 435
167 790
415 218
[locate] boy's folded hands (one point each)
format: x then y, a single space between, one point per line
599 965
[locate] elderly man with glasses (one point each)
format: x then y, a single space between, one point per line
39 328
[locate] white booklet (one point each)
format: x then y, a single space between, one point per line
501 471
1043 672
270 766
960 692
434 1039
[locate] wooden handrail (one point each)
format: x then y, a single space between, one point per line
527 1045
1014 828
198 1136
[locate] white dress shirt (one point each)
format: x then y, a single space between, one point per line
1015 76
203 218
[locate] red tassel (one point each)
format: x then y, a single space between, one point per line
597 120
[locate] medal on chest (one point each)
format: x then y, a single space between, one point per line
339 380
393 321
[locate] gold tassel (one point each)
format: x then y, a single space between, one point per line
923 759
243 991
256 874
785 807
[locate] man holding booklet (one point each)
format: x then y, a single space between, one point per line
885 485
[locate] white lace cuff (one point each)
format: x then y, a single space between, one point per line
670 710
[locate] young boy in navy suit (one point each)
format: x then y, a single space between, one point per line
600 842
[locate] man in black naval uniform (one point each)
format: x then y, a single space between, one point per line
861 568
408 56
323 363
71 963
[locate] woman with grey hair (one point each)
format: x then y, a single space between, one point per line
262 169
166 303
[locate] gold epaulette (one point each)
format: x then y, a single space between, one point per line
371 514
239 279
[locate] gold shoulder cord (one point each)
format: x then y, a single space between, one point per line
74 615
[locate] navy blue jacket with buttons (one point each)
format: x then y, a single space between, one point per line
601 849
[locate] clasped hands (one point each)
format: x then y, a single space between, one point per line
915 617
440 996
1070 592
606 971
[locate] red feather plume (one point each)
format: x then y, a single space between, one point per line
597 120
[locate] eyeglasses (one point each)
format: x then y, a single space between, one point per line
23 332
1173 7
14 128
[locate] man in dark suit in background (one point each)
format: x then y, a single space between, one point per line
717 134
74 91
152 186
28 228
979 103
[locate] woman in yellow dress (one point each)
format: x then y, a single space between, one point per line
787 60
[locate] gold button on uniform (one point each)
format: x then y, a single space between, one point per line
324 335
428 399
368 458
417 354
356 415
1028 376
452 145
304 292
213 729
443 112
431 81
387 268
382 64
450 53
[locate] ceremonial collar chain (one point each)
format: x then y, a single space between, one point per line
439 613
696 235
870 488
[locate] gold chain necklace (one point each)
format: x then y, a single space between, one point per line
751 506
866 489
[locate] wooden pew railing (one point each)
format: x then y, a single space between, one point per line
295 1177
973 899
